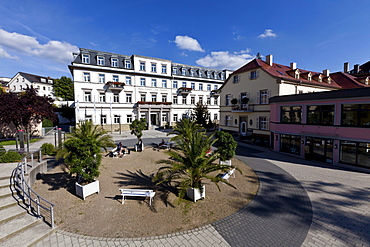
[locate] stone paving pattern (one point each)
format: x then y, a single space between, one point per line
300 203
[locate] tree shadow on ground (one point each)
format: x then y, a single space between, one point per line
145 181
59 180
336 205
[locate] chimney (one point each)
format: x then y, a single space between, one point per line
346 67
356 68
326 72
293 65
269 59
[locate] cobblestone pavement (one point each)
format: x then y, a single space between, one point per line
340 200
300 203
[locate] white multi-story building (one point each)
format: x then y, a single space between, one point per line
21 81
113 89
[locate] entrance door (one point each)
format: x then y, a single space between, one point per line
154 119
243 126
321 149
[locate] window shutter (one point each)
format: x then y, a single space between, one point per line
258 98
268 93
267 123
257 123
257 73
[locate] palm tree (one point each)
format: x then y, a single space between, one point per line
82 149
184 129
191 165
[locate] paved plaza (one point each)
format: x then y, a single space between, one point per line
299 203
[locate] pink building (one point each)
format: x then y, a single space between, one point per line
332 127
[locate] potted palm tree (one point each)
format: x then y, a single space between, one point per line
81 152
190 165
226 146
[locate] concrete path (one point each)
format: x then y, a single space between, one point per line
300 203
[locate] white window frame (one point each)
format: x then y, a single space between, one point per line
174 70
128 98
164 83
102 78
263 123
192 85
128 118
175 117
236 78
115 97
164 98
103 119
114 62
154 98
253 74
154 67
115 78
154 82
102 97
142 82
85 58
164 69
142 66
200 86
143 97
174 84
175 99
192 100
117 119
127 64
128 80
87 77
208 87
87 96
184 84
101 60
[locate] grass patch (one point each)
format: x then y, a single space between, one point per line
12 142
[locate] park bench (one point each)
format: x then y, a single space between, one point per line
137 192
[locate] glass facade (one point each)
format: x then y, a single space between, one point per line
291 114
320 114
356 115
355 153
290 144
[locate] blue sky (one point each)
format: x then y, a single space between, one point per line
38 37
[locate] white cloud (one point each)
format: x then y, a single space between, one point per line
3 53
268 33
225 59
187 43
57 51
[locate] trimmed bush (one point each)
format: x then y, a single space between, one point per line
10 157
48 149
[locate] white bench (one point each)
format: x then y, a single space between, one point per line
137 192
228 174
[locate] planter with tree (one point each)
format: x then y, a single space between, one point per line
190 165
137 127
82 153
226 146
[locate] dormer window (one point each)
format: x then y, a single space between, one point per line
192 72
43 80
85 58
309 76
101 60
296 74
128 64
200 73
174 70
114 62
208 74
367 81
183 71
320 78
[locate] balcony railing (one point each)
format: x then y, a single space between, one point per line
242 108
184 90
115 85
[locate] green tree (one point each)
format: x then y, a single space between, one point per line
200 114
226 145
64 88
137 127
184 129
82 150
191 164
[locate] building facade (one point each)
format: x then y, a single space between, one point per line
332 127
112 90
21 81
245 95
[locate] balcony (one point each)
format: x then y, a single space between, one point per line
215 93
115 85
242 108
184 90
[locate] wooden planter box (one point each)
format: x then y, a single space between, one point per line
88 189
194 194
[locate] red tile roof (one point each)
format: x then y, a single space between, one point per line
348 81
286 73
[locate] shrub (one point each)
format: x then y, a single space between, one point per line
48 149
10 157
2 150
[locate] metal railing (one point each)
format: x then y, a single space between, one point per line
35 203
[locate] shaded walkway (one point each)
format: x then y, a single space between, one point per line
280 214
